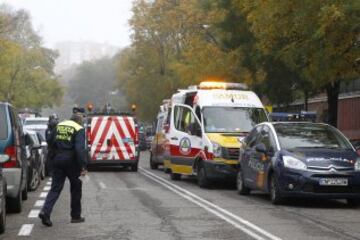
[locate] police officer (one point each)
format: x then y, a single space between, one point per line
69 161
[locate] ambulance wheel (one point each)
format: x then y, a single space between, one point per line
134 167
175 176
202 180
275 195
242 189
152 164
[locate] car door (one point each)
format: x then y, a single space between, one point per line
263 160
185 139
248 155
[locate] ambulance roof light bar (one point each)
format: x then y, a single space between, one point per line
222 85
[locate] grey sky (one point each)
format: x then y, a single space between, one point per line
103 21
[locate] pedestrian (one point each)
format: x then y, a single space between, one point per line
68 142
53 122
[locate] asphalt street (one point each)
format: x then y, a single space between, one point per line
119 204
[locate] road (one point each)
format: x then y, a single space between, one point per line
147 205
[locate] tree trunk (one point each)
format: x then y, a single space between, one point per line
333 90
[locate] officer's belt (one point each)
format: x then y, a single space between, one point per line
63 151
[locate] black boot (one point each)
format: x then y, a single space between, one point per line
45 219
78 220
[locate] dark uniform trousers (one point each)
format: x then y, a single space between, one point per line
60 173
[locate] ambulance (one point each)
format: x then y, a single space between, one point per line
207 124
159 151
112 140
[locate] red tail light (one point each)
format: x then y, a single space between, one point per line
11 151
88 135
136 135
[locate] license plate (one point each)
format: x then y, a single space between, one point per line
333 182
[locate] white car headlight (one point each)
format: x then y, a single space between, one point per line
293 163
357 165
216 149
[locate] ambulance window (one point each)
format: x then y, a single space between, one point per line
159 124
183 118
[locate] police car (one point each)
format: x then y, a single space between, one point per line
292 159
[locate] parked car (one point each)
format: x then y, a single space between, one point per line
299 160
3 159
35 123
34 155
12 143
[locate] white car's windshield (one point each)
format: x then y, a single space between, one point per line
232 119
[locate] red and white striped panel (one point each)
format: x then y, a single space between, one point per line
119 132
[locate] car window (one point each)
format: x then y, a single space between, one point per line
3 121
251 139
35 139
309 135
265 138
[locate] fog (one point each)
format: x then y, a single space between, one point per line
101 21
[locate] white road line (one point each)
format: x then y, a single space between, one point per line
34 213
26 229
238 222
43 194
47 188
102 185
50 178
39 203
48 183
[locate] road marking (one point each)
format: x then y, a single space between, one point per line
34 213
26 229
47 188
238 222
39 203
43 194
48 183
102 185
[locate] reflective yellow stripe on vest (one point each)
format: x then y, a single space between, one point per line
66 130
71 124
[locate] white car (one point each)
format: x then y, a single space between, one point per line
38 124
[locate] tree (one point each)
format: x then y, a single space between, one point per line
317 39
26 68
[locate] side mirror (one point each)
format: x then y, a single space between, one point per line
261 148
4 158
